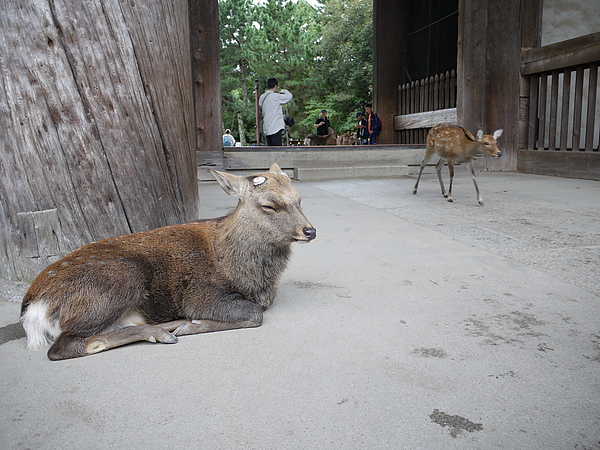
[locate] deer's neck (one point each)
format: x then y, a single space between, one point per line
250 262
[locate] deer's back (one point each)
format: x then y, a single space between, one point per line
451 142
152 271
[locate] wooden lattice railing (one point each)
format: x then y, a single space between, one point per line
423 104
563 95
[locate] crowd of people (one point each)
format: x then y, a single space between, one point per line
368 126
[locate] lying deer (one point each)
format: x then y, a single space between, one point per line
198 277
457 145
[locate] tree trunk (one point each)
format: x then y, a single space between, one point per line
97 120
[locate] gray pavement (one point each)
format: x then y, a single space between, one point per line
409 323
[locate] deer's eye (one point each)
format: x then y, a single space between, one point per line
486 143
269 208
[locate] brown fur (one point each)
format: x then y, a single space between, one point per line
457 145
219 273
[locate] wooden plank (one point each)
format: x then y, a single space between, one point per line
533 112
577 110
564 115
584 165
425 119
542 112
591 107
573 52
553 111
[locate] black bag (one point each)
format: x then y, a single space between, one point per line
289 121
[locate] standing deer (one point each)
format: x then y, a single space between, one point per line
457 145
203 276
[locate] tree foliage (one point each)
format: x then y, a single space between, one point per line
322 54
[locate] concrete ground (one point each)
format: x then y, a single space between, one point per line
409 323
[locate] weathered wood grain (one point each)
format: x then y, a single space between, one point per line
98 125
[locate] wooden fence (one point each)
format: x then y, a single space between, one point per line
424 103
561 82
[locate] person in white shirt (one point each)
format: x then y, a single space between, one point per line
228 139
270 103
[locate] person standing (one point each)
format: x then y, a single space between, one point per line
362 135
373 124
228 139
270 103
322 124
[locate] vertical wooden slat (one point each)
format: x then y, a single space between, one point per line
553 111
534 89
564 119
591 107
436 89
453 90
426 103
577 107
542 112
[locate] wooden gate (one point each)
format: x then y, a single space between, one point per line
561 91
423 104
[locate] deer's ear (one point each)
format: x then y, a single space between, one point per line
275 169
479 134
231 184
497 133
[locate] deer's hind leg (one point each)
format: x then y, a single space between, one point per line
438 170
72 346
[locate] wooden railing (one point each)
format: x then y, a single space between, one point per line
423 104
563 95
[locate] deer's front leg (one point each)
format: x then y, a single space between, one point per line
227 315
472 169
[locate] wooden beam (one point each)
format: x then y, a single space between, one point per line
574 52
206 68
388 62
584 165
425 119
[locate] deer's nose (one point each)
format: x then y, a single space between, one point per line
310 233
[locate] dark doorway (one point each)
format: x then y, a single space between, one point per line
431 39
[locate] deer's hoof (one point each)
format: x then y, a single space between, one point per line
481 202
450 200
168 338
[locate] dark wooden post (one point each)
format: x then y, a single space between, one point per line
206 63
488 72
388 62
98 136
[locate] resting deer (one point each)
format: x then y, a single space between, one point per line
457 145
198 277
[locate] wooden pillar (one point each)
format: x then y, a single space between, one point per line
206 67
472 63
488 72
388 62
97 125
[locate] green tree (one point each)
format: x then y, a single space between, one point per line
344 63
236 79
282 44
323 55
